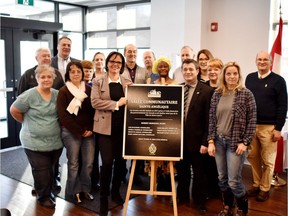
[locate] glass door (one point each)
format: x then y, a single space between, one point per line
17 54
3 93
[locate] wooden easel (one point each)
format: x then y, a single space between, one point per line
152 191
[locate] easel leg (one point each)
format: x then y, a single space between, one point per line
173 188
153 177
129 187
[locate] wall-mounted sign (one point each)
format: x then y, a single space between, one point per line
26 2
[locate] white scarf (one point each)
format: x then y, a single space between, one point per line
79 96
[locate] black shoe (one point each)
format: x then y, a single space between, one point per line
56 188
202 209
180 201
47 202
52 197
137 180
87 196
58 177
117 198
103 206
33 192
96 187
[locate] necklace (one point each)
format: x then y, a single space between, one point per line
230 92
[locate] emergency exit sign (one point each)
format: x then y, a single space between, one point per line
26 2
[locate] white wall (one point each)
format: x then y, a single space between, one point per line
167 27
243 28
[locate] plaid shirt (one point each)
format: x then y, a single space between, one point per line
243 117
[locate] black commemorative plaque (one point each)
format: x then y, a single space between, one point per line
153 128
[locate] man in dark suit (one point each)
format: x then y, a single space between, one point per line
196 115
61 60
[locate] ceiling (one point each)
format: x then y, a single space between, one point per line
91 3
11 8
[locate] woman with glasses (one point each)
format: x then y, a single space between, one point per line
203 57
109 100
76 117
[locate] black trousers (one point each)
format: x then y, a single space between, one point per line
199 184
95 176
112 161
43 170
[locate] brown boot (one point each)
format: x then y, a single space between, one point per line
254 191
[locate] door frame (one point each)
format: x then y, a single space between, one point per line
12 31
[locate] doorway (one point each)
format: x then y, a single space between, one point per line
19 41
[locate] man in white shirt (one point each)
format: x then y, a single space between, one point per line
63 57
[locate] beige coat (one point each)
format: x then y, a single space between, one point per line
102 103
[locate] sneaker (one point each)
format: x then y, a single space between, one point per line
262 196
254 191
226 212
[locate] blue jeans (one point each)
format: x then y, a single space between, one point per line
78 180
229 166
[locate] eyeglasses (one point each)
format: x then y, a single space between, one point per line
264 60
115 62
203 59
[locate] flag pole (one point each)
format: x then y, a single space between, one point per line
276 180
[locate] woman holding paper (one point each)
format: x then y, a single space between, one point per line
108 98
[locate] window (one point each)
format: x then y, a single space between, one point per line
77 44
114 27
71 17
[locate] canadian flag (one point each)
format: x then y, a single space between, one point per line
276 53
276 50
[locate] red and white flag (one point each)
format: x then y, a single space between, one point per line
276 50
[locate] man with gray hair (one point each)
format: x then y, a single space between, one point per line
148 60
28 80
270 92
186 53
132 71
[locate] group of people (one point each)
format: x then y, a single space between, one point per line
224 123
